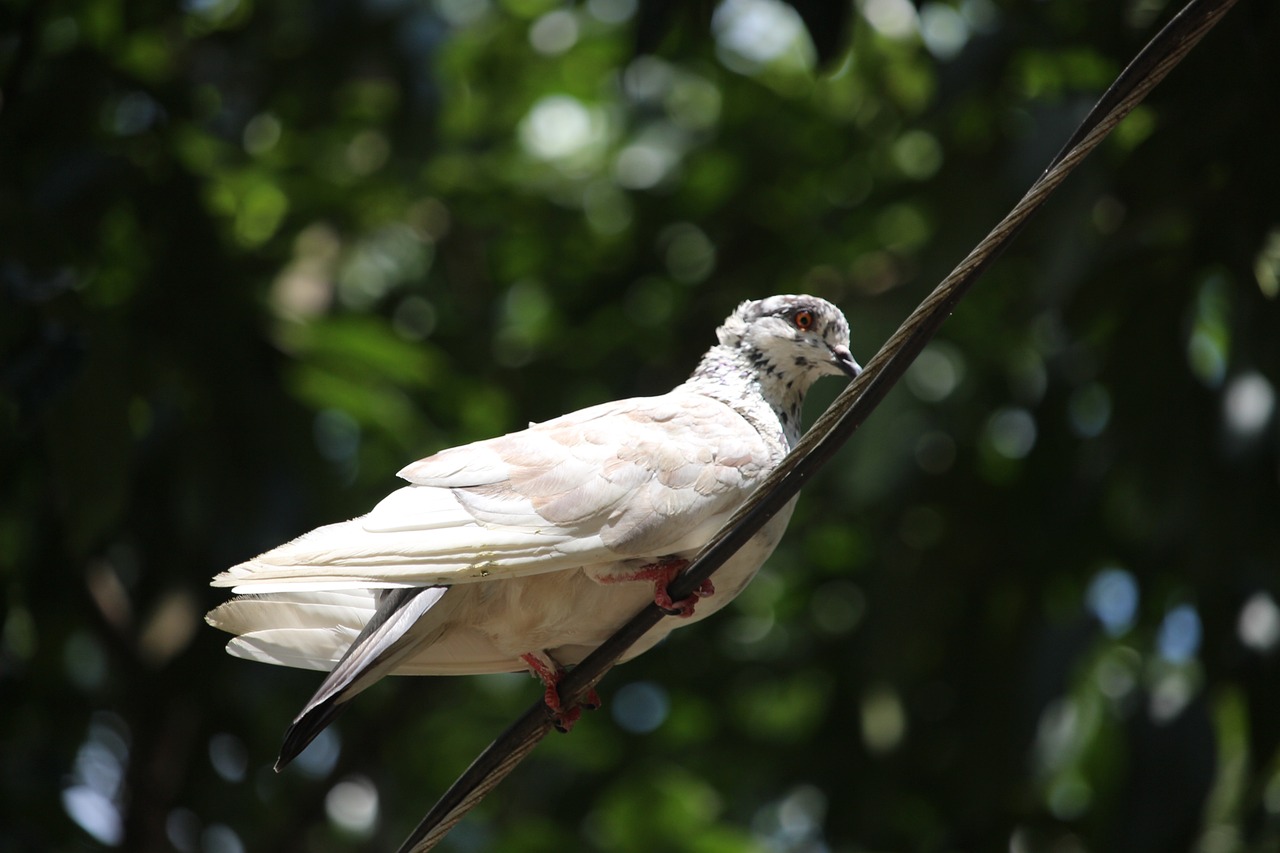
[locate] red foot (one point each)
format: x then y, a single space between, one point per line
550 677
662 573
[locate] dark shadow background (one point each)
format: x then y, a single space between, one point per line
255 257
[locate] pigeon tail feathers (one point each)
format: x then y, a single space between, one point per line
374 653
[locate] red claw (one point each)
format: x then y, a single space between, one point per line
662 573
550 675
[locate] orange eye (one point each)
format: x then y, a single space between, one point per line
803 320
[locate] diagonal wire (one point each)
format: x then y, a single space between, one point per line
834 427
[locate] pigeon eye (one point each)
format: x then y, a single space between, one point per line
803 320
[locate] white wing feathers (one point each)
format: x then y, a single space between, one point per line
644 477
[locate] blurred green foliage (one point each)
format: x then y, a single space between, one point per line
255 257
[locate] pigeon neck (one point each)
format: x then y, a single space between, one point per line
743 378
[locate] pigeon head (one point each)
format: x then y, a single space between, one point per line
791 336
771 351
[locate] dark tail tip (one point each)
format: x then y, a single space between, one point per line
309 724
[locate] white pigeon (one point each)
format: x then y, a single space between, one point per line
529 550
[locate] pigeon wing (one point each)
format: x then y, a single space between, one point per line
640 478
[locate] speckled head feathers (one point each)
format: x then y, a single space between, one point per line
791 331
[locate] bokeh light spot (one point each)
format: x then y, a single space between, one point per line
337 435
1089 410
1112 597
1210 341
220 838
1259 624
935 452
895 19
756 31
559 127
85 660
640 707
689 254
1178 638
554 33
837 607
1011 432
229 757
943 30
182 828
884 721
352 804
1248 404
1266 266
611 11
320 756
936 372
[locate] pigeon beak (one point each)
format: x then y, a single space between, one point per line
844 360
